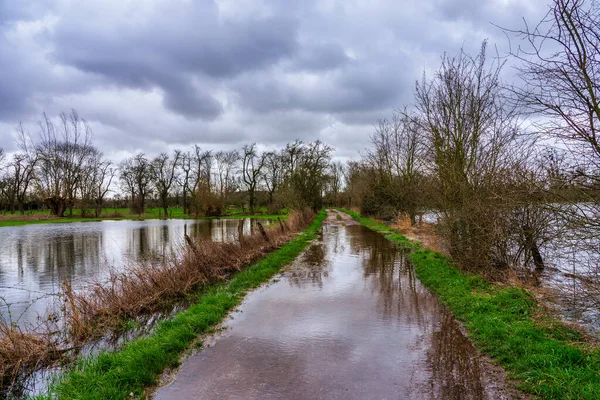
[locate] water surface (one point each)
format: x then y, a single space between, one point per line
36 259
347 320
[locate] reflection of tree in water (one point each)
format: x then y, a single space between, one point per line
40 267
392 279
456 372
312 266
74 255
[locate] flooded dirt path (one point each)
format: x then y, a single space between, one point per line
347 320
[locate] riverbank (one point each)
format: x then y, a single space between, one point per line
120 214
542 355
128 372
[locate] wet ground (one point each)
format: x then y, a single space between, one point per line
347 320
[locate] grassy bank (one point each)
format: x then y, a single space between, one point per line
545 358
116 375
117 214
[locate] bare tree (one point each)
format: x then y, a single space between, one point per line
127 178
252 165
226 166
62 153
560 69
397 160
305 173
559 63
336 180
473 139
164 172
100 179
272 175
135 176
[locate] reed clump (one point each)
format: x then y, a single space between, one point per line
21 353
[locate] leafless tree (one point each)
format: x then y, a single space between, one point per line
305 173
226 166
62 152
472 132
252 165
336 180
100 180
559 63
135 176
164 172
272 175
397 159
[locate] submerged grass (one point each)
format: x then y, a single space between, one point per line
545 358
128 372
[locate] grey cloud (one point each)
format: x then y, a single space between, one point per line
361 86
320 57
149 75
157 51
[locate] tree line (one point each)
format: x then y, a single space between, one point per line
60 169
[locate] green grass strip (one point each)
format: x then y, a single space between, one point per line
114 375
545 358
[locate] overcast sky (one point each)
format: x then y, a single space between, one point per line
153 75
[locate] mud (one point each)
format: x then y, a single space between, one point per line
347 320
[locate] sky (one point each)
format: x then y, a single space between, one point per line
157 75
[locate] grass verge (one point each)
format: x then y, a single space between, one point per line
545 358
117 375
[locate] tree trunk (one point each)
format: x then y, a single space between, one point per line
251 201
165 206
185 205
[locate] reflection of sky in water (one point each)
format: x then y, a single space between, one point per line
35 259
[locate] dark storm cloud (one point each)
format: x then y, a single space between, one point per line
152 74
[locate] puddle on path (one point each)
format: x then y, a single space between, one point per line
347 320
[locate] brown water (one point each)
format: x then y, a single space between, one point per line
347 320
36 259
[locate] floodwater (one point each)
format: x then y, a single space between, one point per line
347 320
36 259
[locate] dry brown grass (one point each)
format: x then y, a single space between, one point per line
421 232
21 353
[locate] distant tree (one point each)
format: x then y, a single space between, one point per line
99 179
252 165
336 180
62 153
163 170
226 167
397 158
136 178
305 173
272 175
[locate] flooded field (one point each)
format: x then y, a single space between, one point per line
347 320
36 259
